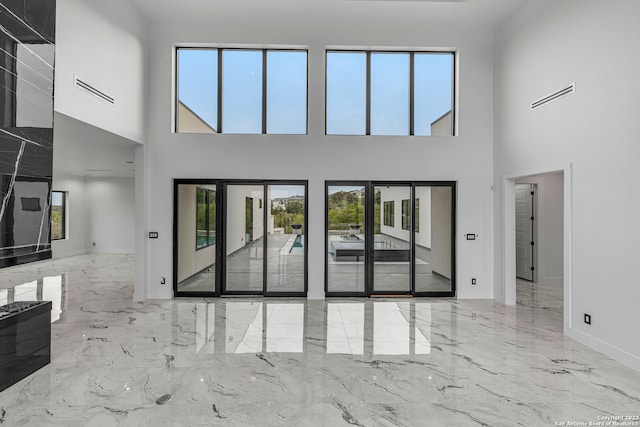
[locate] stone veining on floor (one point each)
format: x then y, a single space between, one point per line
304 363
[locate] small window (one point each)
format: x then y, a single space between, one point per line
388 213
406 216
205 218
58 215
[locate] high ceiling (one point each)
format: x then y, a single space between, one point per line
475 13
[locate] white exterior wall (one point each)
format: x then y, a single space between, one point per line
190 259
103 43
544 47
236 214
75 243
397 195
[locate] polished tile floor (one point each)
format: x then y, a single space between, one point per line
246 362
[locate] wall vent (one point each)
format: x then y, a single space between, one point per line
553 96
91 89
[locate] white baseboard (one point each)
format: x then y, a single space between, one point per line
612 351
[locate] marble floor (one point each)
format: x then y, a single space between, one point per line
246 362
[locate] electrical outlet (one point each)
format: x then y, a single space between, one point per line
473 281
94 243
587 319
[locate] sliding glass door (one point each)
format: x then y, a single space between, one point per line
286 239
240 238
244 238
390 238
345 239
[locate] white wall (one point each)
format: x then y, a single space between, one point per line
466 158
549 220
190 260
236 214
441 230
110 215
75 243
102 42
397 195
423 236
543 47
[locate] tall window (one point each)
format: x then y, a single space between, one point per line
58 215
205 217
389 93
248 91
406 216
388 214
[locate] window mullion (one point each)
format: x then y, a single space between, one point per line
368 95
264 91
411 94
219 91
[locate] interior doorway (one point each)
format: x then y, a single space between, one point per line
526 232
550 232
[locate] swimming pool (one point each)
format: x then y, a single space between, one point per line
298 246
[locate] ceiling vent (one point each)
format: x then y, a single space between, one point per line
91 89
553 96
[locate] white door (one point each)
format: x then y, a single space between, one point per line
525 217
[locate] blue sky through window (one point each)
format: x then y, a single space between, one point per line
198 83
287 92
389 94
242 91
433 74
346 93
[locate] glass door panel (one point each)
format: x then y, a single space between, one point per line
432 234
196 235
244 240
392 239
345 238
286 245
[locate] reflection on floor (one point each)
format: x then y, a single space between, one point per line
295 362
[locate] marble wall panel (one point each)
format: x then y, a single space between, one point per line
27 36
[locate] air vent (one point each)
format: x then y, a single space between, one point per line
89 88
553 96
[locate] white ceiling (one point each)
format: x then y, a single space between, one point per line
85 150
473 13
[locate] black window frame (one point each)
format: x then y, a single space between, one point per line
406 214
220 50
388 213
64 215
411 94
210 198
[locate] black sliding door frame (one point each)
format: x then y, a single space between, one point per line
217 275
369 237
367 212
220 288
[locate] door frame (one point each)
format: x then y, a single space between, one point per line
221 221
369 231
